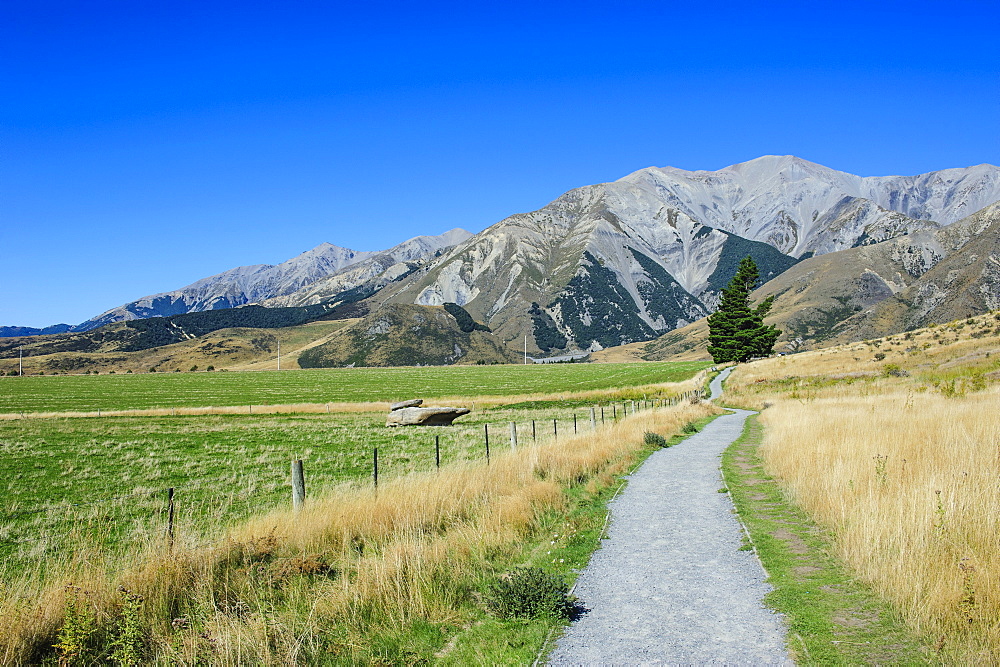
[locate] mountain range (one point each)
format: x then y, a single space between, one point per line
633 259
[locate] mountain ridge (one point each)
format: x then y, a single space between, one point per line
249 284
609 263
541 273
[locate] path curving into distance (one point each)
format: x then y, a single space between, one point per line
670 584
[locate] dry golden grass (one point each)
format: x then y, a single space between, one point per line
902 469
409 551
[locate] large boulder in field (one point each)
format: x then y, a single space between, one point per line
425 416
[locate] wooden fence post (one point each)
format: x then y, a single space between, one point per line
298 485
170 518
614 412
437 451
486 432
533 437
602 414
555 430
574 423
593 419
513 435
375 466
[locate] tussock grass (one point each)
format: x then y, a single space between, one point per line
832 617
356 576
909 486
901 464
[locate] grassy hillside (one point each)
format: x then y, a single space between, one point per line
144 334
408 335
222 349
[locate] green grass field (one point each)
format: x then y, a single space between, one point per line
85 496
88 393
108 477
102 481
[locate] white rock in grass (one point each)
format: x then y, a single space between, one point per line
425 416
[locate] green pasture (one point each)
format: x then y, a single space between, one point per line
88 393
102 481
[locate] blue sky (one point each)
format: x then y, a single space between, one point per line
144 145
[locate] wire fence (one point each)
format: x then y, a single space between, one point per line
166 502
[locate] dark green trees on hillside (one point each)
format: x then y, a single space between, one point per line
736 331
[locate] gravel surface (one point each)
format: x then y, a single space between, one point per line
670 584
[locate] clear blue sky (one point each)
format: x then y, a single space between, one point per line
144 145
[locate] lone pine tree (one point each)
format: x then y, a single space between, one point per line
736 331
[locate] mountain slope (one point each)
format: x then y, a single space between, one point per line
625 261
963 281
628 260
877 290
407 335
224 349
598 279
800 207
251 284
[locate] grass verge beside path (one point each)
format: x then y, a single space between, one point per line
833 618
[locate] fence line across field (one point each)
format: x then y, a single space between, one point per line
297 476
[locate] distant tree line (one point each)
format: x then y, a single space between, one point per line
464 319
158 331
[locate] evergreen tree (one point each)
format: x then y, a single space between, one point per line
736 330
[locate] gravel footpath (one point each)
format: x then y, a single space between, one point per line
670 586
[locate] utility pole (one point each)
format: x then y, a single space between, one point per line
526 349
20 358
279 355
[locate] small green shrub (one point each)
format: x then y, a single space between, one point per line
893 370
690 427
880 356
654 439
128 642
529 592
72 638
